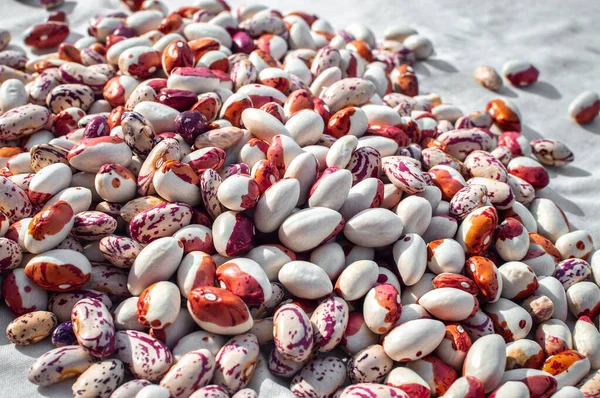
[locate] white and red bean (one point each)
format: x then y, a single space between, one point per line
268 178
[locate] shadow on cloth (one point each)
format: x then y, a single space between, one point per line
442 65
530 133
593 127
421 69
543 89
55 389
507 92
30 3
33 350
568 171
67 6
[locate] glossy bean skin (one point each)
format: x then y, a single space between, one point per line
143 355
269 179
31 328
60 364
293 333
46 35
93 327
101 378
240 351
193 371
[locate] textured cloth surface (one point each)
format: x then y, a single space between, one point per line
560 38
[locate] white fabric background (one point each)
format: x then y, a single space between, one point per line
561 38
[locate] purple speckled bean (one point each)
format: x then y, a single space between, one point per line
138 133
23 121
167 149
524 192
43 155
13 59
190 124
573 270
139 94
478 325
293 333
205 158
31 327
160 221
404 173
96 127
320 378
348 92
70 95
90 57
104 68
370 365
551 152
22 180
93 225
476 119
327 57
110 280
75 73
243 73
15 203
63 335
329 320
263 22
130 389
10 254
468 199
209 185
234 169
144 356
38 89
435 156
7 73
193 371
100 379
94 328
364 163
461 142
236 362
120 251
280 366
59 364
483 164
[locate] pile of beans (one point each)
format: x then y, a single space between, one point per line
203 199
